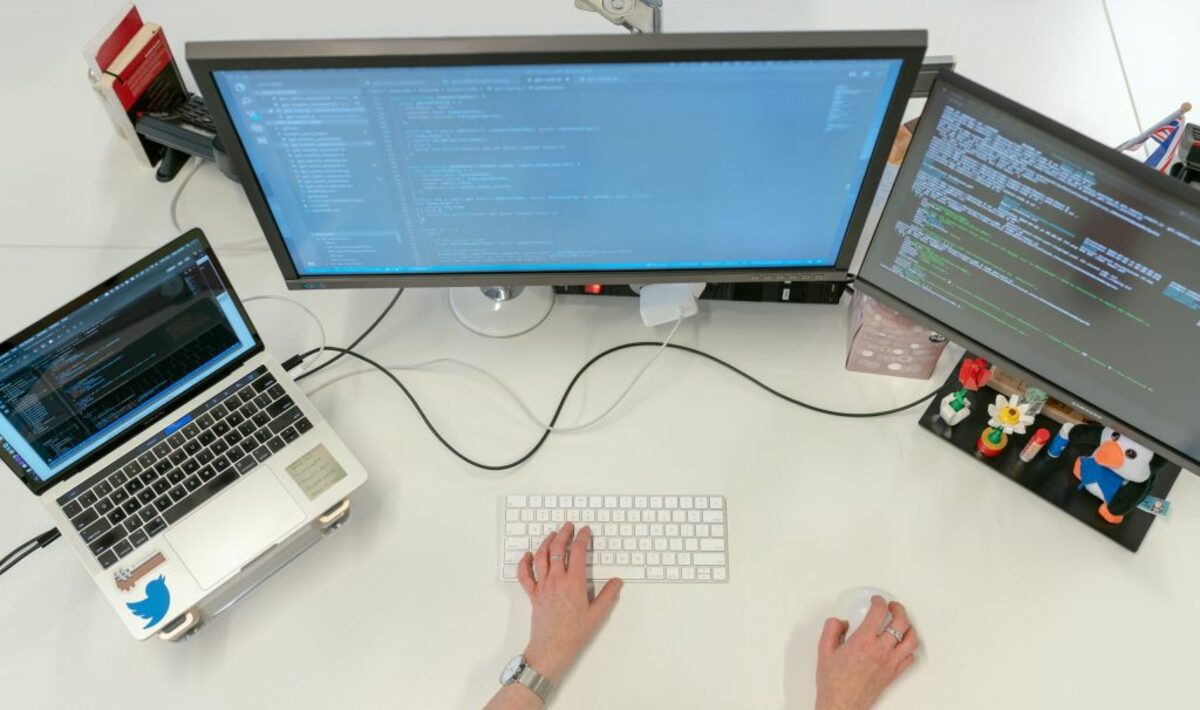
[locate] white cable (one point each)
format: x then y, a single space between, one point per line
183 181
520 402
320 326
194 168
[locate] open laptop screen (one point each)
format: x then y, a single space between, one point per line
77 381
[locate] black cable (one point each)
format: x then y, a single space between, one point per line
351 346
574 380
24 550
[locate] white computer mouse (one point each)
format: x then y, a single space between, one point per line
853 605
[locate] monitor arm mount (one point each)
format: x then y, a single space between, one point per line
637 16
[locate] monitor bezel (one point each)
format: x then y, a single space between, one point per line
1132 168
204 58
38 486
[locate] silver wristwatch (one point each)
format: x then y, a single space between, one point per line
519 671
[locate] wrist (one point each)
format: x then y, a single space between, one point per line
550 666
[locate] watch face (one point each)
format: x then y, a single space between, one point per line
512 670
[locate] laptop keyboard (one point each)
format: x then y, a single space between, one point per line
174 472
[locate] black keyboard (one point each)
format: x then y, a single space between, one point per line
177 470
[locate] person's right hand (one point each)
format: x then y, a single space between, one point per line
565 617
851 675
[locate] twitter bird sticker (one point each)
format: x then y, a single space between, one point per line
154 607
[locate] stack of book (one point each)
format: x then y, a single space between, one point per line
133 72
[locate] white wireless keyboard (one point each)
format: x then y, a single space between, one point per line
668 538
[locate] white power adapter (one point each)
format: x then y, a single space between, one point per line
666 303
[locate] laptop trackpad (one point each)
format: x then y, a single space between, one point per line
234 527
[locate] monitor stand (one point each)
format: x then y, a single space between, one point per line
502 311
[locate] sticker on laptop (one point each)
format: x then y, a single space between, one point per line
154 607
316 472
127 577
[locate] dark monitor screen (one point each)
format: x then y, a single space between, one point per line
555 166
75 382
1068 260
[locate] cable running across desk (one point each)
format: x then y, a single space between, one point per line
579 374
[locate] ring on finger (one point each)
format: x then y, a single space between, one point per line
898 635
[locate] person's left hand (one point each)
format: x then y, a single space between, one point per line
564 617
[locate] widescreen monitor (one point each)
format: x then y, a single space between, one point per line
1070 263
560 160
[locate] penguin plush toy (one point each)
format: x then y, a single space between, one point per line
1120 472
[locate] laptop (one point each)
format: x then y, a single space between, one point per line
169 448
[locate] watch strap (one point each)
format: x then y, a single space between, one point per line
539 684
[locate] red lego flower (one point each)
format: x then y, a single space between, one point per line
974 373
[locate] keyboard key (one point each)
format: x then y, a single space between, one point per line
192 483
263 435
261 419
163 503
206 438
219 447
147 513
161 449
249 445
625 573
275 391
205 456
110 536
200 496
161 485
103 506
178 493
87 499
147 459
176 440
246 394
262 453
134 485
95 530
289 435
248 410
176 475
219 412
263 400
246 464
286 419
303 425
107 559
139 538
155 526
234 438
235 453
119 496
247 428
190 431
162 466
192 447
206 473
130 506
234 419
276 445
178 457
123 548
84 519
264 383
205 421
279 407
145 496
220 429
102 489
148 476
72 508
220 464
190 466
121 476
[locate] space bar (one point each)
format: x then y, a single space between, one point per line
201 494
610 571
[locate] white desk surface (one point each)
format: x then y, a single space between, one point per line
1017 604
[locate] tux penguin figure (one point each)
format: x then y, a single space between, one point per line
1120 472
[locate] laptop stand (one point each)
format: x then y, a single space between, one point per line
257 571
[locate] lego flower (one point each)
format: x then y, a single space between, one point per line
974 373
1008 415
